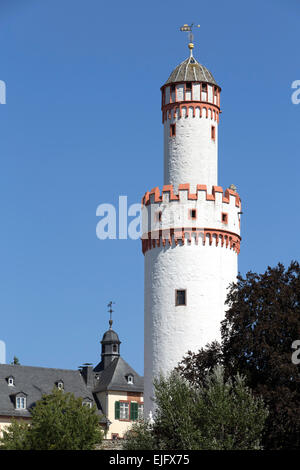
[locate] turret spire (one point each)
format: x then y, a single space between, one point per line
189 29
110 310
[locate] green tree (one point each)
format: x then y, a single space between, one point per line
15 361
59 422
140 437
261 324
15 437
216 414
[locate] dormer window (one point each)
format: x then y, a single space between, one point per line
60 385
130 379
21 401
87 402
11 381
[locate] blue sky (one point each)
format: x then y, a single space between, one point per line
82 125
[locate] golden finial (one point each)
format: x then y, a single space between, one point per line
189 29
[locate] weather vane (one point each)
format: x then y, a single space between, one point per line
110 310
189 29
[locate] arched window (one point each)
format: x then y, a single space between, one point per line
11 381
130 379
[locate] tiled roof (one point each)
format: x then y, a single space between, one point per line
114 377
34 382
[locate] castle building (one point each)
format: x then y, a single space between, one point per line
191 229
112 385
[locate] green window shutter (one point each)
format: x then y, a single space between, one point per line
117 410
134 411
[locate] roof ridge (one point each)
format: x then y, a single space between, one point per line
37 367
128 365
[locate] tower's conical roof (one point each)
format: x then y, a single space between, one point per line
191 71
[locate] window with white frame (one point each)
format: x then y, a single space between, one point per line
20 403
141 411
124 410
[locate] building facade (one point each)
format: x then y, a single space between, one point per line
113 386
191 229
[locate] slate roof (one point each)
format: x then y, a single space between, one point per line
113 377
191 71
34 382
110 336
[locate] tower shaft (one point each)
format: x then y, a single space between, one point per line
191 229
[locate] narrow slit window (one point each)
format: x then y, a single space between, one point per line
158 216
172 130
180 297
193 213
213 132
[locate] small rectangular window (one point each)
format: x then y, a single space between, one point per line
213 132
193 213
172 88
180 297
21 403
188 86
141 411
158 216
204 87
172 130
124 410
224 218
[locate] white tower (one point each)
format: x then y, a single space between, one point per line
191 229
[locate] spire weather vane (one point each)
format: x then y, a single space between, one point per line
189 29
110 310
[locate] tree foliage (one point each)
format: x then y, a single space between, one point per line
59 422
15 361
15 437
215 414
261 324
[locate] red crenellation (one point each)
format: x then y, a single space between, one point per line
191 196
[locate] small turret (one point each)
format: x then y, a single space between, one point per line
190 115
110 343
